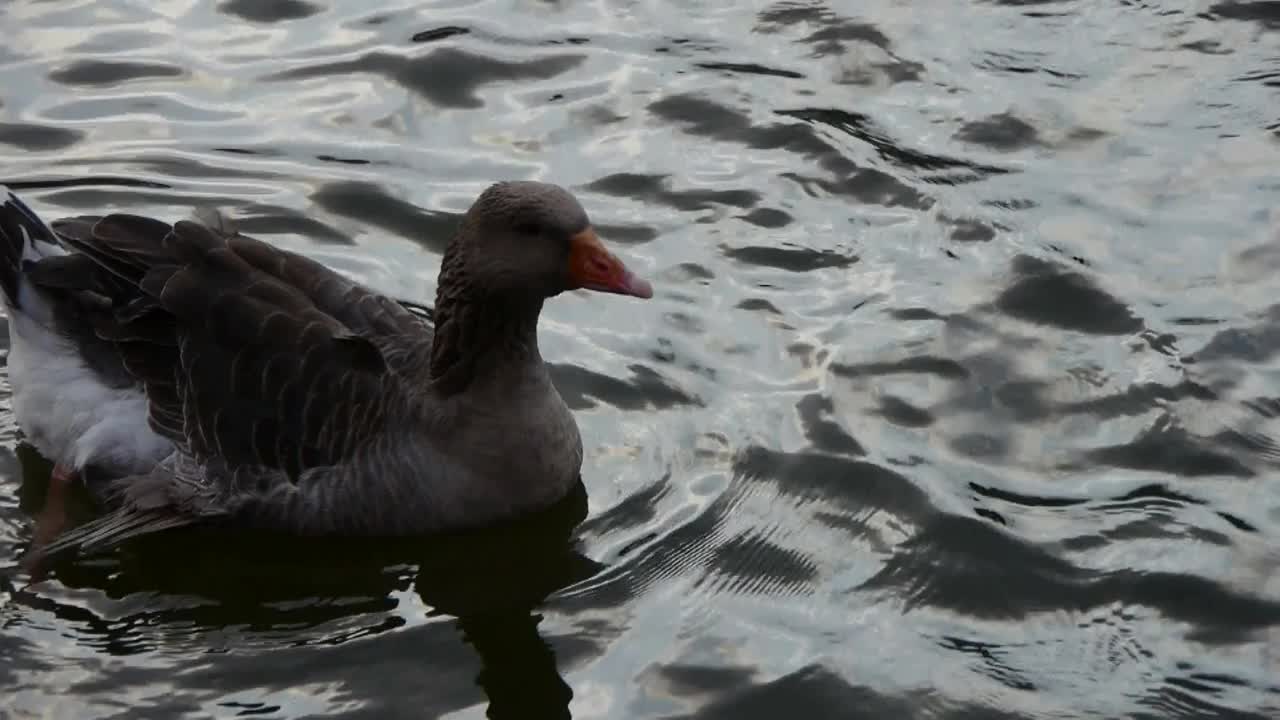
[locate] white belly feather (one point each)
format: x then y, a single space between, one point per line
69 415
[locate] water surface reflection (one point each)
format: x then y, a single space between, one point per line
957 398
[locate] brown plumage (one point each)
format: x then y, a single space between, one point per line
298 400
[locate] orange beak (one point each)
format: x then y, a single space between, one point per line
591 267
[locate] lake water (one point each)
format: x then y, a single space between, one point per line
958 397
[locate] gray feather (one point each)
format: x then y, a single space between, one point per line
299 400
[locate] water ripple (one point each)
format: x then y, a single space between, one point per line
957 398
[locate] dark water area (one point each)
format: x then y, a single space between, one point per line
959 396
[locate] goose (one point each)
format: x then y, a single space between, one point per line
189 374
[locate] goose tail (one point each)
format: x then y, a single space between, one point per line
24 240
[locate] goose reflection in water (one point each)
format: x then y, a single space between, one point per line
254 611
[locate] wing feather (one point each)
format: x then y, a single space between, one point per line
248 353
257 362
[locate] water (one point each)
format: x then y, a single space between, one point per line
957 399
